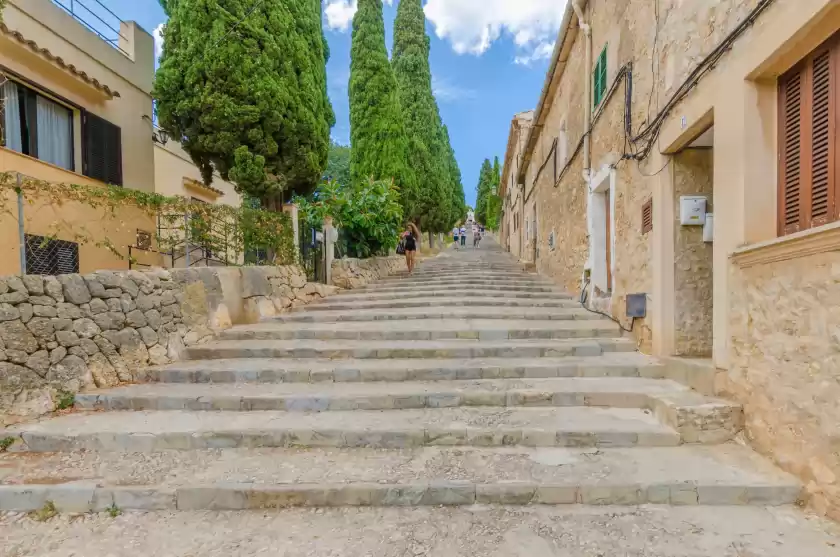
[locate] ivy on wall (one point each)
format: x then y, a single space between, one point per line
233 235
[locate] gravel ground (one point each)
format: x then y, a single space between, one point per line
441 532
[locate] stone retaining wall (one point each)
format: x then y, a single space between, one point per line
356 273
71 332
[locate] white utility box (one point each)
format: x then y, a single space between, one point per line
709 228
692 210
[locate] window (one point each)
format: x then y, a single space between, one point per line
599 78
37 126
102 153
50 257
809 185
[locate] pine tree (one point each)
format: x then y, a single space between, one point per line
379 145
244 87
338 164
431 205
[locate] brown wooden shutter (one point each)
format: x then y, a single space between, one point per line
808 145
647 216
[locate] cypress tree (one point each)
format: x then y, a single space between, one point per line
485 180
494 202
431 205
244 88
456 202
379 145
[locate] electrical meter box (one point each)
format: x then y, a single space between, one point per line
692 210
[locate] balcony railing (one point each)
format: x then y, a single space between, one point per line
94 15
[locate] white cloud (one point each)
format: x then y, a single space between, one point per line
471 26
339 13
157 35
446 91
541 52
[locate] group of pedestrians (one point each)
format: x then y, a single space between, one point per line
460 236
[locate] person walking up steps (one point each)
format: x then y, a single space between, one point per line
463 233
410 237
455 235
476 237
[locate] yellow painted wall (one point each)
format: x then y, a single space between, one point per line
53 29
173 166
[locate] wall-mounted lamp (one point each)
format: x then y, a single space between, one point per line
159 135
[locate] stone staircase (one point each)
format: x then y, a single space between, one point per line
469 382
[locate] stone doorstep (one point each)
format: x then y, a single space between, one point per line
409 349
274 373
132 441
88 496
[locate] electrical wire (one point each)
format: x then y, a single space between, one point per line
583 298
256 5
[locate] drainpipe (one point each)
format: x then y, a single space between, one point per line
587 80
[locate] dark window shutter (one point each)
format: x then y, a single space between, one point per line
102 149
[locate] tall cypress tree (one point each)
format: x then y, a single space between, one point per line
379 146
494 202
250 103
485 180
410 61
456 200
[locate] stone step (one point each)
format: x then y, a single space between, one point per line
399 314
334 303
233 479
445 531
482 275
148 431
456 285
426 329
386 349
432 292
267 370
455 280
695 417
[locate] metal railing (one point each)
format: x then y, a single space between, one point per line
100 20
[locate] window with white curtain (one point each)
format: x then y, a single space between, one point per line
37 126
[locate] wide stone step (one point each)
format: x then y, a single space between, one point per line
456 280
485 275
333 303
457 285
432 292
427 329
399 314
320 397
386 349
262 370
446 531
233 479
146 431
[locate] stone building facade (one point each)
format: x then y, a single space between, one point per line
648 104
510 191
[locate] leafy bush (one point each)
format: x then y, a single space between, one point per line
368 213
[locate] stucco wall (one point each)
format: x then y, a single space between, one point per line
785 353
692 258
53 29
173 166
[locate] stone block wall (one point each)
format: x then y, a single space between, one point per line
785 367
67 333
356 273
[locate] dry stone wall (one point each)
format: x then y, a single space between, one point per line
355 273
70 332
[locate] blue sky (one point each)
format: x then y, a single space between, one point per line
488 60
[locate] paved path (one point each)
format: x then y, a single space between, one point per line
471 409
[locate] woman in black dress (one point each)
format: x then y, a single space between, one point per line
411 237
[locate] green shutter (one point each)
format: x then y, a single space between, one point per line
599 78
